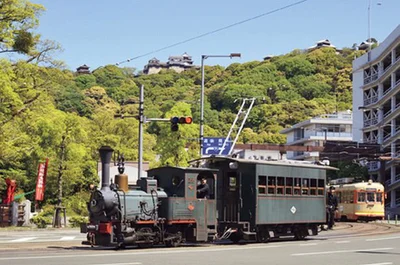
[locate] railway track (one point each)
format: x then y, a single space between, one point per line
351 229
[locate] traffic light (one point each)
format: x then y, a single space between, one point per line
179 120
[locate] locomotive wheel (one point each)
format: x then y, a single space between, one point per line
262 235
175 242
149 239
299 235
262 238
235 238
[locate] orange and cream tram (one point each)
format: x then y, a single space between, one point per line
362 201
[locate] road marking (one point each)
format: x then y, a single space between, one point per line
131 263
383 263
308 244
339 251
385 238
67 238
342 242
136 252
23 239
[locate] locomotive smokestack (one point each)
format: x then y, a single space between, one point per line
105 156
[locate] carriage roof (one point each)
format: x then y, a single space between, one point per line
290 163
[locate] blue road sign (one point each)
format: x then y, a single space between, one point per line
213 145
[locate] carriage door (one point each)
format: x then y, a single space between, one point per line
231 193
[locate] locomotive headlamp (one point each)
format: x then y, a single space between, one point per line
233 165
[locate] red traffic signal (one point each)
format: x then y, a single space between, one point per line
185 120
179 120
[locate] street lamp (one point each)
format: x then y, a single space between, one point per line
203 57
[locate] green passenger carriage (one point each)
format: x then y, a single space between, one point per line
259 200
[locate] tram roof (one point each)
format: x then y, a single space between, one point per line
360 185
292 163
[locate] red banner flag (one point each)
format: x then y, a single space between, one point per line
41 180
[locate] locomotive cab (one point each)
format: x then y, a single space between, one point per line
185 212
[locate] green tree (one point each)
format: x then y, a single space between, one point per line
18 18
172 144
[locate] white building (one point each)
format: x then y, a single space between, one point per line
315 131
376 106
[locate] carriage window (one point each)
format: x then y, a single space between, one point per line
271 185
232 183
296 186
289 186
262 184
280 185
321 187
370 197
313 187
361 196
305 186
379 197
176 180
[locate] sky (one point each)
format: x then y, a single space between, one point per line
102 32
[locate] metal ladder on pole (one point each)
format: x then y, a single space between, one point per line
242 113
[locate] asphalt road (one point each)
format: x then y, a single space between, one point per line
358 245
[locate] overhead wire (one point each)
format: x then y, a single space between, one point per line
213 31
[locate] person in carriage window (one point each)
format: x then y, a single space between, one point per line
203 189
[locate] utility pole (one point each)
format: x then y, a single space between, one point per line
141 121
59 207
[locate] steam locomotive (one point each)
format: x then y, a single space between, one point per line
253 200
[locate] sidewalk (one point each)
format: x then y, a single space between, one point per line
388 222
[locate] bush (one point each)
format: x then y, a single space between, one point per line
41 221
77 204
75 221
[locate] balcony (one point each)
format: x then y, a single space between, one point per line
370 122
389 181
370 100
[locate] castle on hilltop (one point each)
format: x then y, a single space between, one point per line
176 63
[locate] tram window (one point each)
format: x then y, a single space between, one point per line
351 196
271 184
379 197
289 186
262 184
297 186
339 197
321 187
280 185
305 186
313 187
361 197
370 197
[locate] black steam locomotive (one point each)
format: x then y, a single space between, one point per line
247 200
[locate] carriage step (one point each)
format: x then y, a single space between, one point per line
249 235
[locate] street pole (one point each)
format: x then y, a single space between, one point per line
203 57
141 121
